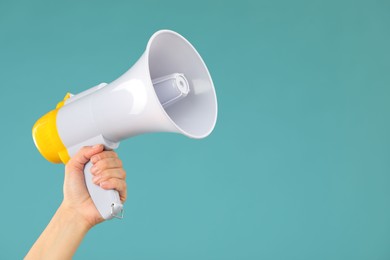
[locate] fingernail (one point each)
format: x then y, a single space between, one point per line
93 169
94 159
102 184
96 179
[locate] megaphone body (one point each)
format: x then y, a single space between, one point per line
169 89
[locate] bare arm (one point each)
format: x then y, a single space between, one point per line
61 237
77 214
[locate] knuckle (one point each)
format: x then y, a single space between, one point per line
103 176
119 162
102 164
103 154
109 154
84 148
96 157
112 183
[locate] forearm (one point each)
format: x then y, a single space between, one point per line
61 237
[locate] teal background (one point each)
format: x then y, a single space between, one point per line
298 166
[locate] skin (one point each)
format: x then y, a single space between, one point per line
77 214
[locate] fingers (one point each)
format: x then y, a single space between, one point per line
118 173
116 184
105 154
104 164
83 156
108 173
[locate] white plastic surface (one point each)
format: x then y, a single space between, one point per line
129 105
168 52
171 88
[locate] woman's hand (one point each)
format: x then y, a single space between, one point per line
108 173
77 213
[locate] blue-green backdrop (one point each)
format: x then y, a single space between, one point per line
298 166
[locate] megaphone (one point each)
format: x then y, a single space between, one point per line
169 89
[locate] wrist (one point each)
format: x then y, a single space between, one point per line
62 235
72 217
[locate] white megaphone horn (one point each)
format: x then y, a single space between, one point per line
169 89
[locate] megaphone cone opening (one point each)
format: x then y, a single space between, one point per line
168 53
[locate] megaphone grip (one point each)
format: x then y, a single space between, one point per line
107 202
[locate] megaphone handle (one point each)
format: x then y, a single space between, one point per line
107 202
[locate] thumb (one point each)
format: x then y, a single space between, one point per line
79 160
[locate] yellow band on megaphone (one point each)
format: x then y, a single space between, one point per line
47 139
